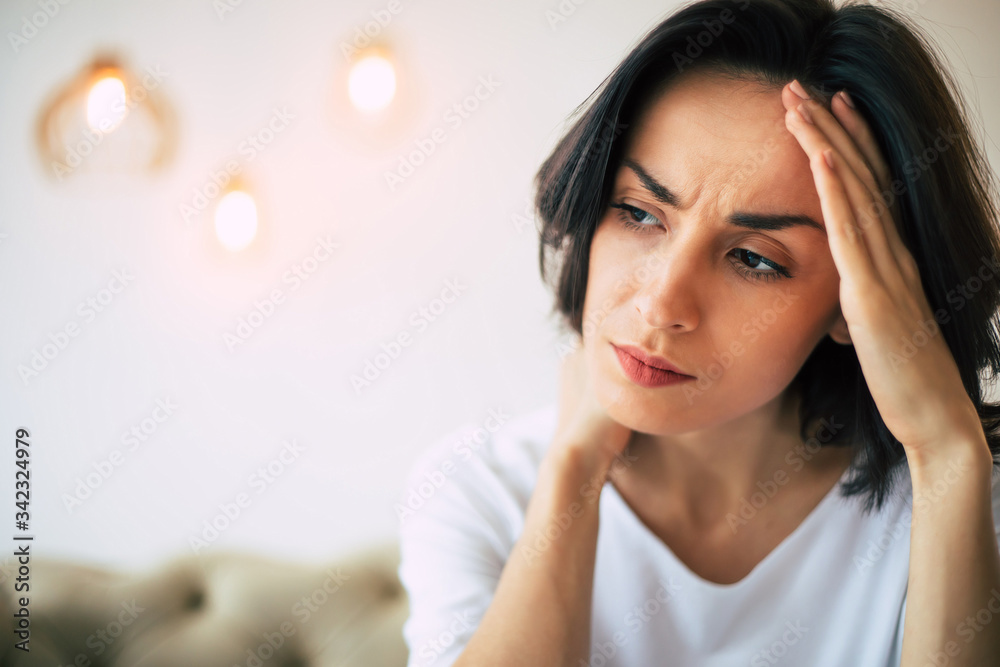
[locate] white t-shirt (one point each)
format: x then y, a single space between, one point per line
833 593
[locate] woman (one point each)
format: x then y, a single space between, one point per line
784 295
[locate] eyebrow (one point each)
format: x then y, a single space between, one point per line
755 221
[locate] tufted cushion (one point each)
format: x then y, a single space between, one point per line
219 609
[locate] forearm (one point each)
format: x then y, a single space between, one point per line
540 612
953 593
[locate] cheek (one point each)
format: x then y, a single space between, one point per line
605 289
778 334
814 298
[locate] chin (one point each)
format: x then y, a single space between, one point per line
644 412
626 408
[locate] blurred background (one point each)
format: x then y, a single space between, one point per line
255 257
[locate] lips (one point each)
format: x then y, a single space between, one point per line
651 360
647 376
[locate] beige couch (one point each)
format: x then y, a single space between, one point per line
219 609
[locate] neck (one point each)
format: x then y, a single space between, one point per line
702 476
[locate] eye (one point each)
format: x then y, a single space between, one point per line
777 270
644 222
635 218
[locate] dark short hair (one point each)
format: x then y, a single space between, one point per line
948 222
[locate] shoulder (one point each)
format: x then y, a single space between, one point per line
493 459
499 440
461 511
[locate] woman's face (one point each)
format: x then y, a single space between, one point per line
680 281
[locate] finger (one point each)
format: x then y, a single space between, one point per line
838 137
854 123
855 126
866 218
848 132
872 221
848 248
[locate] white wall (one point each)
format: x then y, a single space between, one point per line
162 336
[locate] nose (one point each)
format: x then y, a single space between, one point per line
667 293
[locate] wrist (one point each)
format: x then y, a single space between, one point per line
580 464
944 462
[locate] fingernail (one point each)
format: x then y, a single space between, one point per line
806 116
799 90
828 156
847 98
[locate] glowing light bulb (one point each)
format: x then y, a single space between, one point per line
106 107
372 83
236 220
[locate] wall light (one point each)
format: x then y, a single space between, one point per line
379 94
106 98
106 106
236 220
372 82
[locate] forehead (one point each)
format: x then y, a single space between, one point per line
709 136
